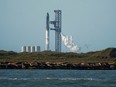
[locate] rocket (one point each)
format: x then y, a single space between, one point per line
47 33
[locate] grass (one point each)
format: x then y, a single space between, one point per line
91 57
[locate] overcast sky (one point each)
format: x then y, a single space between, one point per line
92 23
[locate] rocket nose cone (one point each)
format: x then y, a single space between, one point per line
47 14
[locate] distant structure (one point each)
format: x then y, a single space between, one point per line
37 49
30 49
47 33
57 29
23 49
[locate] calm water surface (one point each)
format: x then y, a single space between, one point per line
57 78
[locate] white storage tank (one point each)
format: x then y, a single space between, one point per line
28 48
37 48
23 49
32 48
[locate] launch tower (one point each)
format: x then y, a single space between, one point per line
57 28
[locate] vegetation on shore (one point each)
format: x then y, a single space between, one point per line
107 55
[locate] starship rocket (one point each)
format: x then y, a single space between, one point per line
47 33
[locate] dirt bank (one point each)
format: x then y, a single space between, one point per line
58 65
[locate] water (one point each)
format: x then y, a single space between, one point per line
57 78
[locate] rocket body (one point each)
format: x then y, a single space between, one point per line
47 33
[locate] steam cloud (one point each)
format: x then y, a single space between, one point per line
68 42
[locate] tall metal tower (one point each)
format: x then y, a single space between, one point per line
57 28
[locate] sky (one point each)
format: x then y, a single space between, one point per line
92 23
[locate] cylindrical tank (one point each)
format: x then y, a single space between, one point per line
23 49
28 48
32 48
37 48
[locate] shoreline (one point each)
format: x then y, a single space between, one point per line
59 65
98 60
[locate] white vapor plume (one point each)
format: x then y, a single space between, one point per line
68 42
